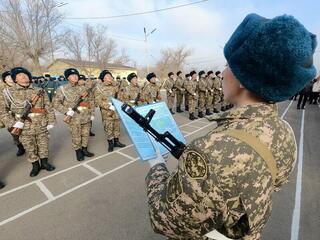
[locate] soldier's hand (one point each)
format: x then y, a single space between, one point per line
194 94
112 108
92 118
170 91
19 125
50 126
70 112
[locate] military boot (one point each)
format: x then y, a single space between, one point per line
216 110
208 112
110 148
2 185
86 153
92 134
179 109
172 112
21 150
186 108
45 165
35 169
117 143
200 115
79 154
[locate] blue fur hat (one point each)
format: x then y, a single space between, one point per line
272 58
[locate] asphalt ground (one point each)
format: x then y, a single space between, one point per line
104 197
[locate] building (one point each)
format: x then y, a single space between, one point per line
88 68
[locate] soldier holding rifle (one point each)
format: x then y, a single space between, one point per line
28 114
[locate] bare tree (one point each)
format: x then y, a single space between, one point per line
29 26
92 44
172 59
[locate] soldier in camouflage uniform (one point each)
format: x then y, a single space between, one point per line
80 123
133 93
217 88
83 81
210 95
185 83
225 180
122 84
151 91
179 91
103 93
169 86
203 91
34 135
191 90
8 83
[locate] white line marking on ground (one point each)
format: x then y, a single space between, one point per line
286 110
72 167
45 190
53 198
123 154
92 169
295 225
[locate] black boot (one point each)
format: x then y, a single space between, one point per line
110 148
172 112
223 109
200 115
208 112
191 116
215 110
179 109
186 108
21 150
86 153
92 134
35 169
45 165
117 143
2 185
79 153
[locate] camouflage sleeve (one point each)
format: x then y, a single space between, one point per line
58 102
5 116
49 109
147 95
183 204
202 86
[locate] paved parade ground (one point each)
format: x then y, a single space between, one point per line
104 197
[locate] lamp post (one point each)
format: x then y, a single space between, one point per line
146 35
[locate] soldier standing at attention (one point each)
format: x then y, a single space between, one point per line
218 94
203 91
8 83
169 86
103 93
226 179
83 81
151 91
191 88
80 119
133 93
210 95
185 83
179 91
34 131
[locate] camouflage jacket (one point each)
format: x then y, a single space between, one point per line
179 84
220 182
217 86
191 88
151 93
210 86
102 98
170 86
132 95
67 96
202 86
12 104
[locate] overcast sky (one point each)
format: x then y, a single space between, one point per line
204 27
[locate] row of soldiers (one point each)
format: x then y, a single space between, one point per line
25 110
204 90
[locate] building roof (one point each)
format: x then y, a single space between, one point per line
88 64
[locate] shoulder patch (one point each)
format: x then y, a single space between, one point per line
195 165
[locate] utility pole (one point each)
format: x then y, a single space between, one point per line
146 35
